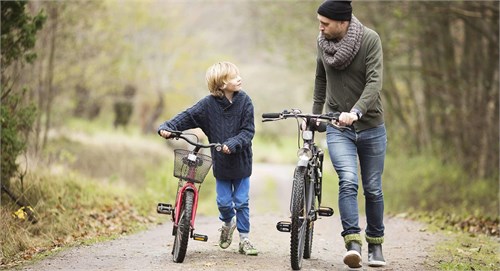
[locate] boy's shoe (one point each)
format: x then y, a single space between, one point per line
375 256
247 248
226 234
352 258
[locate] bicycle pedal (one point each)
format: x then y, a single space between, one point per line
164 208
325 211
284 226
200 237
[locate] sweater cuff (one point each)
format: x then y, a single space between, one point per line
232 145
357 112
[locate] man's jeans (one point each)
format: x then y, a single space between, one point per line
370 146
232 197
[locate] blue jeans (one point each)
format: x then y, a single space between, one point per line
232 199
345 147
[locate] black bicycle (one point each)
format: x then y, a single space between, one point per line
305 201
191 167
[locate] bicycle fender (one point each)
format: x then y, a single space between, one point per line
302 163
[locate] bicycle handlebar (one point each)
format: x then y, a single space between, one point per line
296 113
180 134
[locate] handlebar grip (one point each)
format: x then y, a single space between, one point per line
271 115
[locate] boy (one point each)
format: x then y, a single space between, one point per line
225 116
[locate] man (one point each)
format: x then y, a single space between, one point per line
349 80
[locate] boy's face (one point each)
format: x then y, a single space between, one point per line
233 84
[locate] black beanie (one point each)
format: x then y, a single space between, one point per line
336 10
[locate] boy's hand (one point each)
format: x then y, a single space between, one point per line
165 134
225 149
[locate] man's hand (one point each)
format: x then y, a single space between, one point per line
165 134
346 119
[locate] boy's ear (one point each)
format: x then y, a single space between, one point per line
224 86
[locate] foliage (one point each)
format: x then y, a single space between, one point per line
18 39
18 33
16 121
440 75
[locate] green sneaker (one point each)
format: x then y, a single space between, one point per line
247 248
226 234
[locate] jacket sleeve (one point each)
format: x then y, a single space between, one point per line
319 94
246 132
374 74
188 119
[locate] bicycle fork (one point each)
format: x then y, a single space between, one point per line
166 208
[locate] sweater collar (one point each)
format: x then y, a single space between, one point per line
225 103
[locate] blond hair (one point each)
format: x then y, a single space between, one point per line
218 75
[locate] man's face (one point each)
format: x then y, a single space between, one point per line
332 30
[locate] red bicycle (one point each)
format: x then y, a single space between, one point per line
191 168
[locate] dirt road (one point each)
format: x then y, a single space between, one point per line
407 245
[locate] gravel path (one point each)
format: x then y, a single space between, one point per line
407 245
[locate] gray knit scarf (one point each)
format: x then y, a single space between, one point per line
339 54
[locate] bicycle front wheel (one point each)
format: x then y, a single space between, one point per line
299 221
184 227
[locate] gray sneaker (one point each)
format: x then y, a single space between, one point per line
226 234
247 248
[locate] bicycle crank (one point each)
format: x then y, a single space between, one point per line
164 208
325 211
284 226
200 237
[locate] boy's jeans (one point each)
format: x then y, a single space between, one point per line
370 146
232 197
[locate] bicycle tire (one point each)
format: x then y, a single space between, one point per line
299 223
310 228
183 228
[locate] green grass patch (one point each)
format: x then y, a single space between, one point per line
424 183
467 252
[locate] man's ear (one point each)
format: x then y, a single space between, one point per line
224 86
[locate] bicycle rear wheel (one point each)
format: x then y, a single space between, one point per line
184 227
309 240
299 221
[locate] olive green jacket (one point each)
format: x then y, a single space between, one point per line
357 87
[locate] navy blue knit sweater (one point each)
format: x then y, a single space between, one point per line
230 124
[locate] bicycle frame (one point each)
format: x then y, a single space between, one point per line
178 204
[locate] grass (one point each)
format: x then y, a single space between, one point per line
70 209
468 252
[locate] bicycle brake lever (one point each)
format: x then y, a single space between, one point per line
266 120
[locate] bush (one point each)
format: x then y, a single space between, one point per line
16 123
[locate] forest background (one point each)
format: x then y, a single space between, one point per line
72 70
